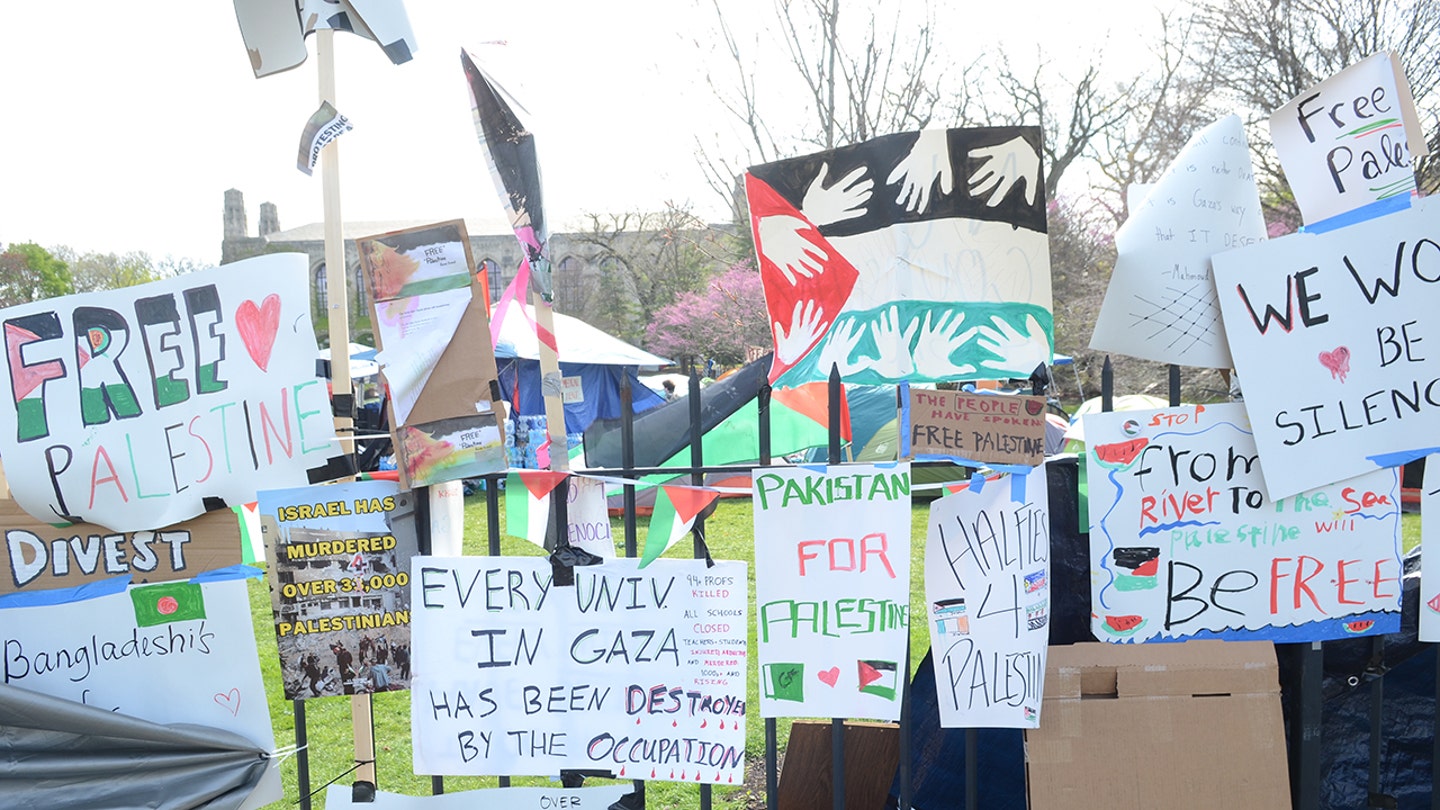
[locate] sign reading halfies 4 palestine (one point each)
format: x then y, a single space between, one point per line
641 673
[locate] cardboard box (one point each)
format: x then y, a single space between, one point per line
1196 724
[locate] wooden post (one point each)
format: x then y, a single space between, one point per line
552 387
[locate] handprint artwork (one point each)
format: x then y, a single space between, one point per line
918 256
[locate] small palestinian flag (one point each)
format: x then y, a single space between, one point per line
527 503
676 508
878 678
167 602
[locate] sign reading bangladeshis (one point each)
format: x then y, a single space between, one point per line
832 589
918 256
339 585
979 428
637 672
1185 544
133 408
987 584
1332 335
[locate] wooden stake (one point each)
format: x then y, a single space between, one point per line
552 387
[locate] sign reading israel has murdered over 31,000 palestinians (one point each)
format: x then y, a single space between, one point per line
639 672
832 589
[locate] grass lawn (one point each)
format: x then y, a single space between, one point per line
729 534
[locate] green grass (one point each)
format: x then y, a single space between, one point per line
729 534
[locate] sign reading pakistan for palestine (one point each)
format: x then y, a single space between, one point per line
832 586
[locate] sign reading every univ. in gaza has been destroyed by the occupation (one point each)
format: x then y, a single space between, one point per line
983 428
638 672
832 589
131 408
1184 543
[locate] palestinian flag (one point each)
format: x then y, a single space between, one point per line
878 678
167 602
676 508
527 503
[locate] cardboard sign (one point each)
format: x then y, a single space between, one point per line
39 556
832 589
1160 303
131 408
341 797
917 256
175 652
1332 335
339 585
977 428
1184 543
987 585
1430 541
435 352
641 673
1350 140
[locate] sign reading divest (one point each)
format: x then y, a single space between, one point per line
638 672
985 428
1332 340
987 580
832 589
1184 543
130 408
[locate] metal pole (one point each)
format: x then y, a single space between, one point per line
697 531
492 529
1174 385
1107 386
1312 661
837 724
302 755
772 739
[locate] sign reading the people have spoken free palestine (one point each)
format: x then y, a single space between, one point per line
987 584
1184 543
130 408
1335 345
641 673
832 589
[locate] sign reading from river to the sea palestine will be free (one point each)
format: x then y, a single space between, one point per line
638 672
1184 543
832 589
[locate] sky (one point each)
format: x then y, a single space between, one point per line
126 122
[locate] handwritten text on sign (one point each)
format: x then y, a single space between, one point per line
987 428
1184 543
128 408
1332 341
832 589
987 584
638 672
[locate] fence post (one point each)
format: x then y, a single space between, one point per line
837 724
697 531
1312 666
772 739
302 755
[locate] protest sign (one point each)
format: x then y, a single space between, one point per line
1329 335
1430 540
1351 140
339 577
39 556
341 797
177 652
588 514
832 589
641 673
978 428
1184 543
1160 304
133 408
987 584
874 258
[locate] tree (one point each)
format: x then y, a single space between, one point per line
29 272
108 271
718 323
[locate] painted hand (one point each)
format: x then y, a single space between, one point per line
928 161
938 343
1019 354
1004 167
806 327
840 346
844 199
893 345
783 241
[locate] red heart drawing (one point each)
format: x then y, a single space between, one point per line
257 326
829 676
1337 361
229 701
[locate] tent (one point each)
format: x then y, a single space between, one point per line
592 366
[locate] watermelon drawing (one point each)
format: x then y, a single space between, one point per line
1119 455
1123 626
1034 407
1359 626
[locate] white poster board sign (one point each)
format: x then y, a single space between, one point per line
175 652
1184 543
1329 333
1350 140
987 588
1430 541
341 797
128 408
588 516
641 673
1160 304
832 589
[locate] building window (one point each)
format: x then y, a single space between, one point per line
361 293
322 297
566 281
492 278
